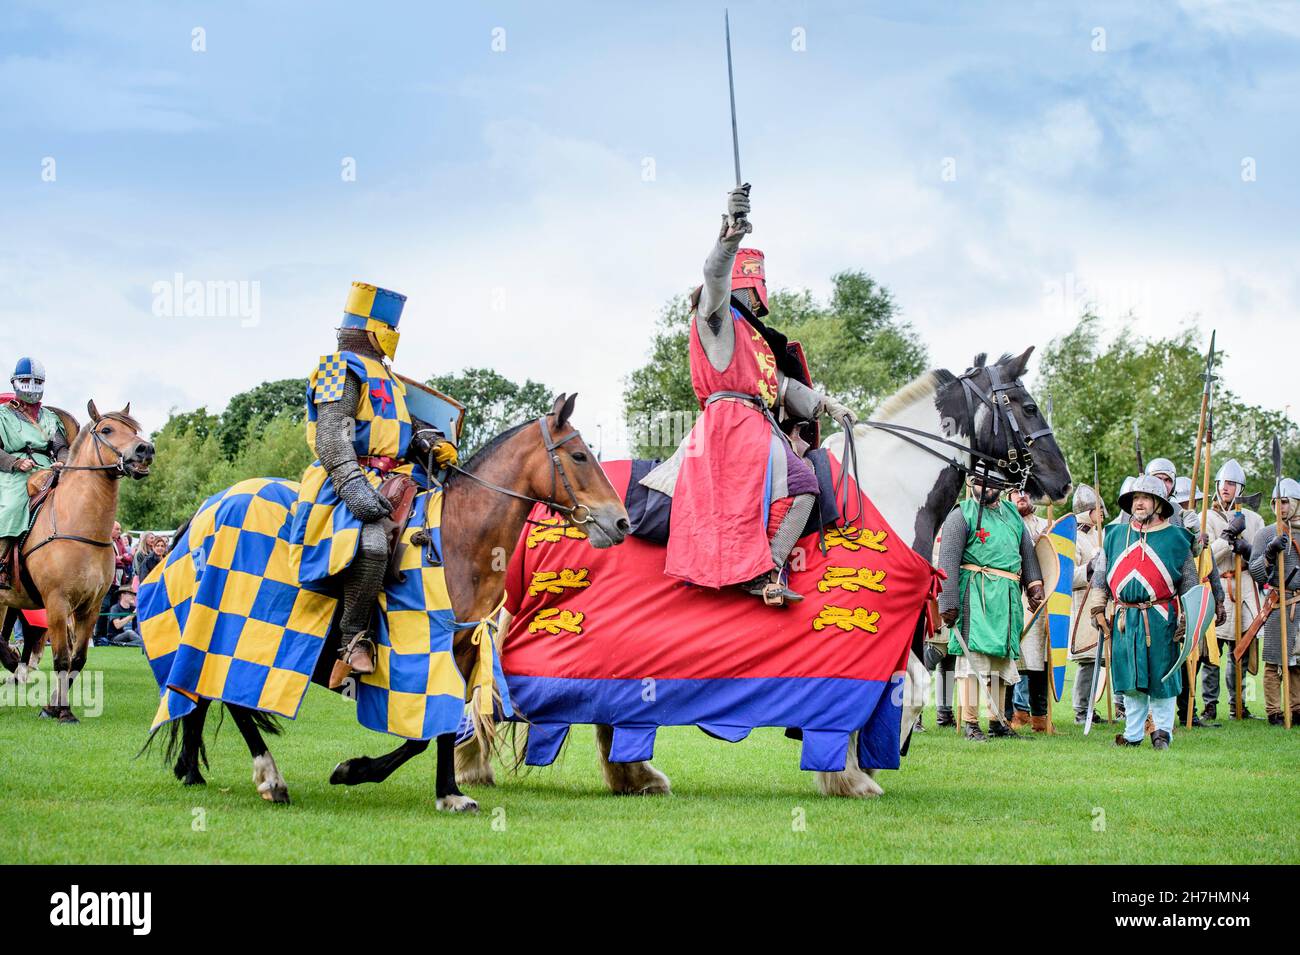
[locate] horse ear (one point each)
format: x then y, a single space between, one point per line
566 411
558 406
92 410
127 410
1015 367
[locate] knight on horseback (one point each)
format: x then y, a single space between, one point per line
31 437
742 494
363 434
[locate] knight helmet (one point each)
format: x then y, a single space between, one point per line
28 380
748 272
1085 499
1152 486
1163 466
1182 490
377 311
1231 471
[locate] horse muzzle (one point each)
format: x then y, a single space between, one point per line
606 527
139 463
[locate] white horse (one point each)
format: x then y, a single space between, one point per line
912 457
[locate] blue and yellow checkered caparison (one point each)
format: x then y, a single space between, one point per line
375 310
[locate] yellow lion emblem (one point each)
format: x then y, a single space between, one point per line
553 620
550 530
847 620
550 582
852 579
852 539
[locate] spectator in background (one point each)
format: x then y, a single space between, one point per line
121 621
123 559
143 552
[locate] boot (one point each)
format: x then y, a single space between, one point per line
919 725
1020 720
973 733
1121 741
944 717
1199 723
357 655
1003 730
1275 719
1159 740
1041 725
1210 712
771 590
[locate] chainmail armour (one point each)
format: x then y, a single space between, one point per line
335 429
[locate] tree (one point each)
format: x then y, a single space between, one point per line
492 403
250 411
858 350
1099 390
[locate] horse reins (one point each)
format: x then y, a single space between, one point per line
119 469
558 476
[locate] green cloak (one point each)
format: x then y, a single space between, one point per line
996 613
18 433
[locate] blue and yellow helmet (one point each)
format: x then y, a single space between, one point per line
375 310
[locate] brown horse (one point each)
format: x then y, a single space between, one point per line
67 555
483 511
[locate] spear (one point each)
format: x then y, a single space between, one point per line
1137 448
1284 676
1206 567
1101 539
1236 616
1208 378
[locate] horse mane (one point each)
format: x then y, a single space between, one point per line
926 384
489 450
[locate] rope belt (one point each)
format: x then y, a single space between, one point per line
985 573
1144 606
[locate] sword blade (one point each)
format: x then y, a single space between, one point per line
1092 685
731 90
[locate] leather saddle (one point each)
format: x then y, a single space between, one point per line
399 491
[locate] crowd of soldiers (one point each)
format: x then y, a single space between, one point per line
1130 571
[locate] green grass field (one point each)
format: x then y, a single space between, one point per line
78 794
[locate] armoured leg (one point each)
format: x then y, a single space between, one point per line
6 543
792 525
360 588
1038 692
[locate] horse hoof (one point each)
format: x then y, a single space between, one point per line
193 779
350 772
266 777
457 803
278 794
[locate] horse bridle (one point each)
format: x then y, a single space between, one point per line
119 469
1018 462
558 476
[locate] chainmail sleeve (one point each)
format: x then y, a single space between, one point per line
59 445
335 428
1189 578
1029 569
952 545
1099 582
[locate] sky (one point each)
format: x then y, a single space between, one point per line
539 179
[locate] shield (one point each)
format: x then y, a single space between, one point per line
1198 613
1055 552
433 407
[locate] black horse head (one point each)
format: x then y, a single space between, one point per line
990 406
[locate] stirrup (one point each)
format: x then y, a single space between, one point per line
356 656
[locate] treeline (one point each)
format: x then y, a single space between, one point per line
261 434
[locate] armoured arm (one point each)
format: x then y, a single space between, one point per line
1030 572
713 315
335 428
1260 566
1189 578
951 546
800 401
7 461
59 445
1099 582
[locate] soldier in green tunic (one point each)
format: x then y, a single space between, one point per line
986 551
1144 566
31 437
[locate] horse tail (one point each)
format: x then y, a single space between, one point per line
266 722
172 742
